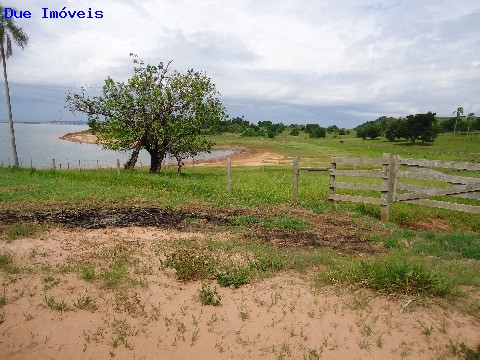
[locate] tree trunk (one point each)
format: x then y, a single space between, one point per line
156 158
130 164
9 105
180 164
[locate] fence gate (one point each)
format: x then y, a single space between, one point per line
392 189
455 186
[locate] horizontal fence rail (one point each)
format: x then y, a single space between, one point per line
416 169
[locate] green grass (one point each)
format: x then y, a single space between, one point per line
7 265
445 147
272 223
16 231
251 187
453 245
391 274
415 262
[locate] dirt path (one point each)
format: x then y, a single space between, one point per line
95 285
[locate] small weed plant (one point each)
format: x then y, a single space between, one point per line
85 302
209 296
87 272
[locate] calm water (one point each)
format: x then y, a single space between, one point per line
40 143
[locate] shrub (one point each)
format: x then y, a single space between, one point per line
191 264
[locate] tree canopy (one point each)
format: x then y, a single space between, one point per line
155 110
414 127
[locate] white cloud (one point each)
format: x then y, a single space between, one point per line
390 57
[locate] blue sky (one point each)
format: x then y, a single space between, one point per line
330 62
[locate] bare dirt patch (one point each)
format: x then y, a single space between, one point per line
333 231
432 224
72 298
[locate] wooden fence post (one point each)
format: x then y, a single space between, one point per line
53 165
331 188
118 167
392 179
296 175
193 168
229 176
385 206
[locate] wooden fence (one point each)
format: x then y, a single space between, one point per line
395 168
296 175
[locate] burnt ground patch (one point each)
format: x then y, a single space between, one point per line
336 232
98 218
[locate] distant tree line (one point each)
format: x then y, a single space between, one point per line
238 125
424 127
462 123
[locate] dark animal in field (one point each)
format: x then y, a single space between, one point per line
341 141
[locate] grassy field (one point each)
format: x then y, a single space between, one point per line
270 188
445 147
425 253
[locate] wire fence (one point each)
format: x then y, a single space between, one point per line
84 164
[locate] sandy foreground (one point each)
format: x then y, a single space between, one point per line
54 312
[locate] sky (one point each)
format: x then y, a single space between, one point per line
329 62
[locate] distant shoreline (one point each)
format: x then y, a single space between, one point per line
45 122
240 156
83 137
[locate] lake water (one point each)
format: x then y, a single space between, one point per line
40 143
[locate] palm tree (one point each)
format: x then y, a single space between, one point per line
470 121
459 112
8 32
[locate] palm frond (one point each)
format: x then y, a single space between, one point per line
19 36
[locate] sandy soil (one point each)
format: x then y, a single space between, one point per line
155 316
241 156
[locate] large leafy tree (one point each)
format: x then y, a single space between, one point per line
10 33
156 110
421 126
369 129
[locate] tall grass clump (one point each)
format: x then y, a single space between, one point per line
191 263
392 275
7 265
